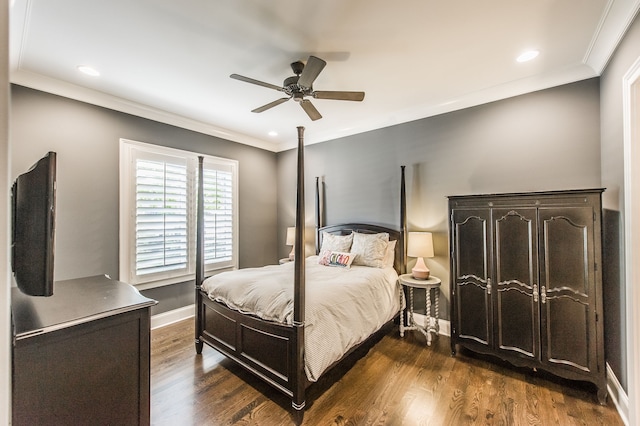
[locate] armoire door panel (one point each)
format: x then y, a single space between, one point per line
516 298
472 283
567 266
473 315
517 322
471 236
567 340
567 238
515 245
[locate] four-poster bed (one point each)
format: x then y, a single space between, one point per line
274 349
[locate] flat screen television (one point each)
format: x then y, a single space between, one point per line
33 203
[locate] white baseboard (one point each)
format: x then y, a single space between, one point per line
169 317
445 326
618 395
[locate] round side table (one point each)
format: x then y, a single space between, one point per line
431 283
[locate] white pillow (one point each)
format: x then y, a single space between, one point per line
390 254
370 249
333 242
336 258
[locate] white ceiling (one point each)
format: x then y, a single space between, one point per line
170 60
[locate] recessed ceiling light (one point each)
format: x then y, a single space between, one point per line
273 133
85 69
527 56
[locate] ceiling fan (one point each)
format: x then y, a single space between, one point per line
300 86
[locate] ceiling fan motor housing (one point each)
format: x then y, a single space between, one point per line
292 88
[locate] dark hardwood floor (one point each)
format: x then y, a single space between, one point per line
400 381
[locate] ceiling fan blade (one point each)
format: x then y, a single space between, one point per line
311 71
270 105
257 82
311 111
339 96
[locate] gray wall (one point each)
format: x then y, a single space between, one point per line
612 154
547 140
86 138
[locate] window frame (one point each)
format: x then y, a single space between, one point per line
130 151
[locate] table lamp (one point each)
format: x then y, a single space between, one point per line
420 245
291 240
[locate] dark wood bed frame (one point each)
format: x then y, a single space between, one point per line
275 352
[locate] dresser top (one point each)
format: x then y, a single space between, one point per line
73 302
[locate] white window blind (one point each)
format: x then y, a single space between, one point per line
218 215
162 234
158 191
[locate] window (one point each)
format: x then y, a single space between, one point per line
158 191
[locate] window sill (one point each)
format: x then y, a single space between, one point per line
179 279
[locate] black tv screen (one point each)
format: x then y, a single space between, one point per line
33 227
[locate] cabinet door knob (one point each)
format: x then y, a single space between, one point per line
543 295
488 285
535 293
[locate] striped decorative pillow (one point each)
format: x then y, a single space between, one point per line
336 258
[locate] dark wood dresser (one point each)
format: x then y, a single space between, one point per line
526 280
81 356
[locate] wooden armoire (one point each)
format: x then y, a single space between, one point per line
526 280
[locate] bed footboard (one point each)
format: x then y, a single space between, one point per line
265 349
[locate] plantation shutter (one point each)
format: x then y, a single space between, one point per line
161 208
158 199
219 214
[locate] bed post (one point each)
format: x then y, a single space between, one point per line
298 401
403 221
199 254
318 217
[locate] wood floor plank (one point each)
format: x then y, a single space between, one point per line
399 381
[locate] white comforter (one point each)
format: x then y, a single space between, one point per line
343 306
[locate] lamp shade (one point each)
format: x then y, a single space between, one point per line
291 236
420 244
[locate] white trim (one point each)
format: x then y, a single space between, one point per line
68 90
616 18
632 235
171 317
617 395
445 326
129 150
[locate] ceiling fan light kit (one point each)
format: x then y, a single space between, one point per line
300 85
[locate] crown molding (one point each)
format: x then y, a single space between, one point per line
94 97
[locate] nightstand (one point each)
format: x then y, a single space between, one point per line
431 283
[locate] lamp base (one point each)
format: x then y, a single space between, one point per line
420 271
420 275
